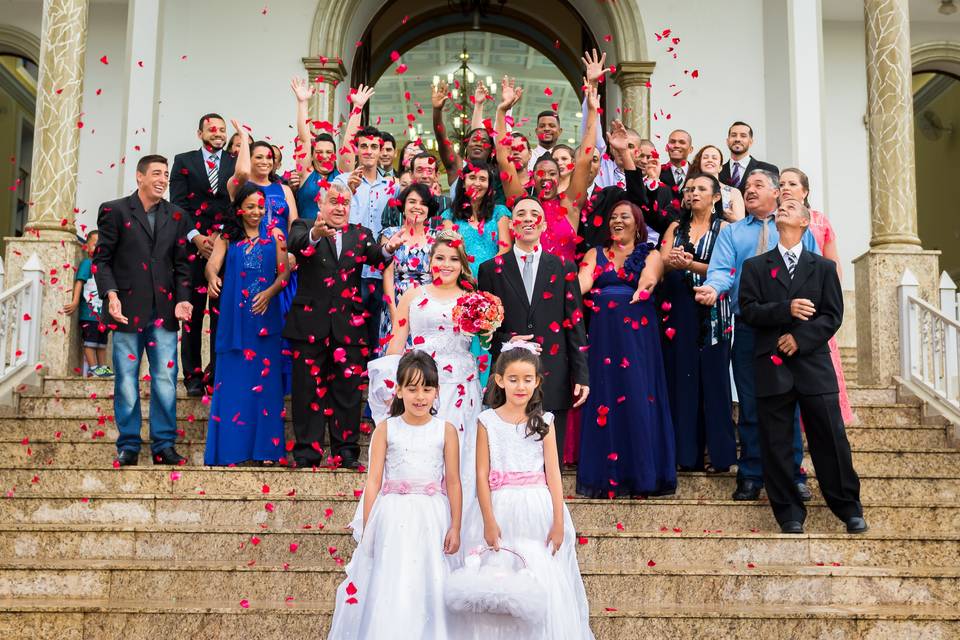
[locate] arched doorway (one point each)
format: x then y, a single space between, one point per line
19 52
936 102
352 41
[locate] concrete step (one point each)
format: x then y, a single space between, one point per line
75 385
936 463
147 478
869 437
75 618
272 544
280 510
198 409
606 586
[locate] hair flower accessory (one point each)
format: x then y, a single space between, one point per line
519 344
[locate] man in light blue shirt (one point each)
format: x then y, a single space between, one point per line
736 243
371 193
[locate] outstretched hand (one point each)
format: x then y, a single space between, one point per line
510 94
362 96
439 95
617 136
302 89
594 65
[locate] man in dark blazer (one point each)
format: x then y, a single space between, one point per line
327 328
142 271
792 298
198 186
542 305
735 171
673 174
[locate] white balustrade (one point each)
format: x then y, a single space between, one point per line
929 353
20 308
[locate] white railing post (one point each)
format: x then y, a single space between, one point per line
948 306
2 274
30 336
909 331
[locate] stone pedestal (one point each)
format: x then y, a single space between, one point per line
326 73
633 79
60 350
877 274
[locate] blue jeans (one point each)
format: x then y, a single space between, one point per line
750 464
161 347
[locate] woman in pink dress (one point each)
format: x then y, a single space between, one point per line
794 185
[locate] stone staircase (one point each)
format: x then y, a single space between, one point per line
89 551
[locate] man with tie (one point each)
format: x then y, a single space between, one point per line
792 298
735 244
674 173
142 271
542 305
741 163
198 186
327 327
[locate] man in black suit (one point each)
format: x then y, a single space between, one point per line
198 186
674 173
327 328
542 305
735 171
792 298
142 271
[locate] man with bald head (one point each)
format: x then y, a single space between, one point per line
674 172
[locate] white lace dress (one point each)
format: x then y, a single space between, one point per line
395 579
432 331
525 514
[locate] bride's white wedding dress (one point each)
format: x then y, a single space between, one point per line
432 331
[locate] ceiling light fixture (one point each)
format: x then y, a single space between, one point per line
948 7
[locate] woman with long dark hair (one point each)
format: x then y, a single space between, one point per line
695 337
410 266
626 437
484 225
246 412
709 161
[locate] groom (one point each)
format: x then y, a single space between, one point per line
542 305
327 328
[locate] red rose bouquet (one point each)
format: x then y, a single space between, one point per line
478 313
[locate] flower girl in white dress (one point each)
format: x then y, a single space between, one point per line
411 520
521 504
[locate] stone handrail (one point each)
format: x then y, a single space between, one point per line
929 353
20 308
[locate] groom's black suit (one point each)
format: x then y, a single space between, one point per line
555 318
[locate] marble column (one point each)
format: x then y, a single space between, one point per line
633 78
894 245
326 73
50 231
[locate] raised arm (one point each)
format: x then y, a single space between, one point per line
480 95
513 185
448 155
241 171
303 152
595 70
347 158
577 192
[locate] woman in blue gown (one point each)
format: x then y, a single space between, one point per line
246 411
696 338
626 438
255 165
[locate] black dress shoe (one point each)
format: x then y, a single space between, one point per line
194 389
857 525
127 458
169 456
300 463
791 526
804 492
350 463
747 490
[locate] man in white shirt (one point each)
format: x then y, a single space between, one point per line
548 134
741 164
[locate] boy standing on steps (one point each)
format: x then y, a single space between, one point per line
92 328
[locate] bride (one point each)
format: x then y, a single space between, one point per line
424 321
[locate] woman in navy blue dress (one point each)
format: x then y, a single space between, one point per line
696 338
626 438
246 411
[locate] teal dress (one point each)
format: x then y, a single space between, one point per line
481 244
